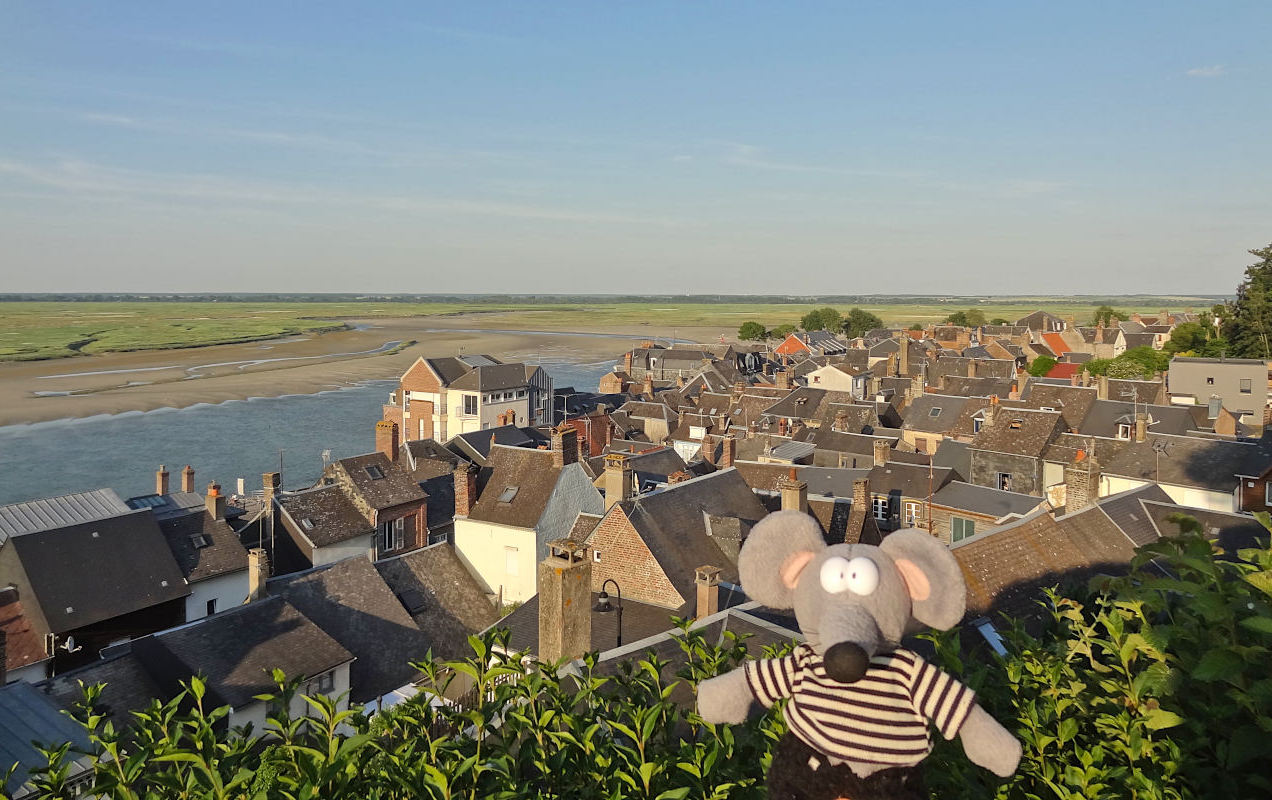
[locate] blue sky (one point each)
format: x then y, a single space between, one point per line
920 147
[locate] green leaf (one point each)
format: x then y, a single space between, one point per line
674 794
1160 719
1219 664
1260 624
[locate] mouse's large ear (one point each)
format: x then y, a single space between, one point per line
938 593
775 554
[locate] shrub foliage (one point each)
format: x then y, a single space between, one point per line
1153 685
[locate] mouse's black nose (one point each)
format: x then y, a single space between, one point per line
846 662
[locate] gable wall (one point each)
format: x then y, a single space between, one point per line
626 558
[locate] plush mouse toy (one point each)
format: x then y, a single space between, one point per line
860 705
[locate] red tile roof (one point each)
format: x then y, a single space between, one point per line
1055 343
1064 369
24 645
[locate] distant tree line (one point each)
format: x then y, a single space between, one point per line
853 324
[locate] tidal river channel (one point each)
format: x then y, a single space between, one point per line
223 442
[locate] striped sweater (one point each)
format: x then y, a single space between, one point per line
881 719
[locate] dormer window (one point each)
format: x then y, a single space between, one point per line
374 472
1123 430
1015 424
977 424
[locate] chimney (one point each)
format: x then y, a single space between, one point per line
257 573
465 489
916 386
386 439
608 432
841 422
903 354
618 479
680 381
971 368
781 426
565 601
584 445
768 367
679 476
739 386
627 363
728 448
881 450
565 446
1074 380
215 501
4 654
707 579
649 384
794 492
783 379
861 496
1102 387
1082 482
161 483
892 365
1141 427
1086 377
1014 394
1135 317
187 479
991 410
708 449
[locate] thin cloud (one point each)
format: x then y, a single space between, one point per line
747 155
1212 71
85 180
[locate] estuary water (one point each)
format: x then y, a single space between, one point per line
223 442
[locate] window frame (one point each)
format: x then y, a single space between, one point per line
881 503
959 528
470 405
1004 481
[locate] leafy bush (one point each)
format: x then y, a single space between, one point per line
751 331
1157 685
1041 366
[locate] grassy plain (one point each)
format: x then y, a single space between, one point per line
42 330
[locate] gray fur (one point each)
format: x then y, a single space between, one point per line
875 622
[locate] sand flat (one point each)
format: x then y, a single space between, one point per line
112 383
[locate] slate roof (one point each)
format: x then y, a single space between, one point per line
956 456
1152 392
983 500
236 650
203 547
353 605
441 595
933 413
56 512
1073 402
583 526
393 489
963 386
1029 439
333 516
1188 460
426 459
1106 415
656 463
1126 510
1134 340
128 687
27 716
166 506
121 564
475 446
534 477
1233 532
491 378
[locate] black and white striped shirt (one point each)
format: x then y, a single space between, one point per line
881 719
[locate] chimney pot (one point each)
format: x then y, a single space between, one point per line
707 579
215 501
386 439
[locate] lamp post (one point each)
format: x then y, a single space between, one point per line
604 606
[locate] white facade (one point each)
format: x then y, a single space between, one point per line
227 591
506 558
479 411
834 379
359 546
254 713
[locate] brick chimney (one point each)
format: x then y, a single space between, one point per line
386 439
215 501
916 386
679 476
584 446
627 363
861 495
841 422
565 601
892 364
161 484
565 445
783 379
187 479
1014 394
257 573
728 449
1102 387
782 426
1141 427
465 489
1082 482
971 368
881 450
707 581
618 479
903 354
991 410
608 432
649 384
768 367
794 491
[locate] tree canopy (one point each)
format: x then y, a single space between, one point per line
1138 363
1248 323
822 319
1041 366
1108 316
858 322
968 319
782 331
752 331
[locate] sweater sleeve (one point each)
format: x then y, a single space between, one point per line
940 699
771 679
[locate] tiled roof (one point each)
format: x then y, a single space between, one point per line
528 476
353 605
27 717
393 487
24 644
127 687
204 547
332 516
496 377
17 519
1073 402
1018 431
984 500
1056 343
1184 460
1006 567
441 595
1064 369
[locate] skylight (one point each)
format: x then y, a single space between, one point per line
935 412
374 471
508 493
200 541
307 524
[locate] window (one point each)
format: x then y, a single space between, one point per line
961 528
1015 424
1046 408
200 541
935 412
596 556
470 405
521 393
392 534
508 493
911 514
1004 481
321 684
307 524
211 606
1123 430
977 424
1245 386
510 561
1210 381
374 471
880 507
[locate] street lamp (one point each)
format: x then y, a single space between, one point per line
604 606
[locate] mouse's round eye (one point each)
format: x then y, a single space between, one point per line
858 575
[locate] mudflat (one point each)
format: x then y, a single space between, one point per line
112 383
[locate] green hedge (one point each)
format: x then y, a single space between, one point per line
1156 685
